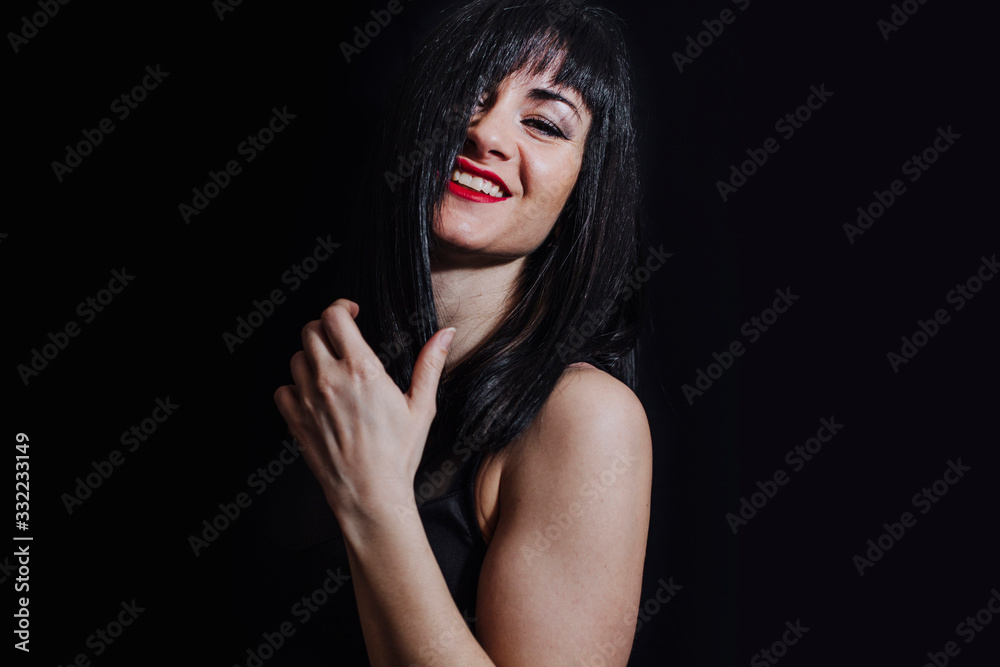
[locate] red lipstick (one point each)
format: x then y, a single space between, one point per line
474 195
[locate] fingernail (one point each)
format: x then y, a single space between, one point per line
445 341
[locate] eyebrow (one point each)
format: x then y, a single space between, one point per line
546 95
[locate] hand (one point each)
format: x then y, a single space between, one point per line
361 436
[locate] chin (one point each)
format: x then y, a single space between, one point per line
463 232
489 239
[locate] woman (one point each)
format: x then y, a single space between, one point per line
487 360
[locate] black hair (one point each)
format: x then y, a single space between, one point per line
576 293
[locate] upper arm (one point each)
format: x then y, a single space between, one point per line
562 577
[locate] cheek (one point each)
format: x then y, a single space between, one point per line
554 181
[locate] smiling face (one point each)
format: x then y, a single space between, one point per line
528 138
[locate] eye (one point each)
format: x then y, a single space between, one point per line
545 127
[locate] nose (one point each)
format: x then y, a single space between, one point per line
490 134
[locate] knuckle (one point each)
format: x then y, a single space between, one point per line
362 369
372 369
437 364
309 411
310 327
354 367
325 384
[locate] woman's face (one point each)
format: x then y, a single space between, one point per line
528 139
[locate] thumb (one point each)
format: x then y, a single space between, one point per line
427 371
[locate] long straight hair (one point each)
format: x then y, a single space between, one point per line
576 295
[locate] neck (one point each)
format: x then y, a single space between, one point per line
474 300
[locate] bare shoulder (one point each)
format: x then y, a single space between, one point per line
583 388
589 413
591 425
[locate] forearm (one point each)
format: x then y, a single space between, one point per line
407 613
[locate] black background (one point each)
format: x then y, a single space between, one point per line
825 357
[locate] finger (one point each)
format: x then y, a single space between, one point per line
316 345
286 398
351 306
341 331
427 371
303 375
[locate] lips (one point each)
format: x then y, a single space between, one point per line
476 184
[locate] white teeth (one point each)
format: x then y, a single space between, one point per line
477 183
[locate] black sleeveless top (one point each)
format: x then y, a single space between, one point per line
290 573
290 565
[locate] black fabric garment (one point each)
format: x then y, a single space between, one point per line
290 547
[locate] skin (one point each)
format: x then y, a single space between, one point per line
564 508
